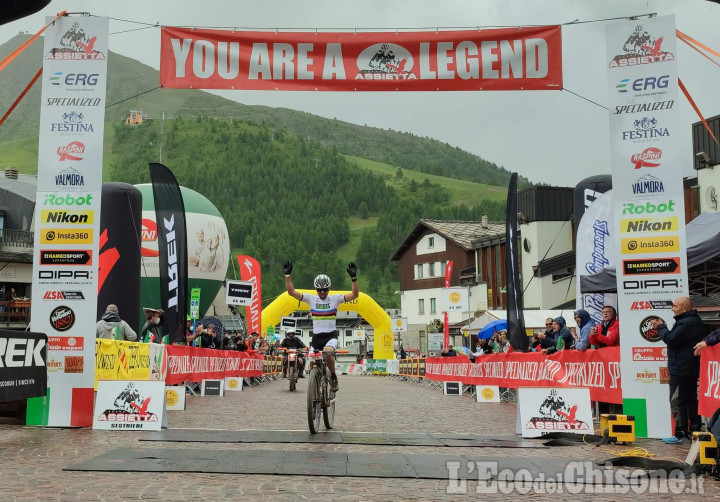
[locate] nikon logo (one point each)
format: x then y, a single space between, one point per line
648 208
649 225
71 217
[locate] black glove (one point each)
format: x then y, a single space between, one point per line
287 268
352 270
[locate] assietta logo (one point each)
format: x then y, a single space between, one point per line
648 185
385 61
641 48
71 151
645 129
75 44
642 159
62 318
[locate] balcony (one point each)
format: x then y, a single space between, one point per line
16 238
14 314
467 277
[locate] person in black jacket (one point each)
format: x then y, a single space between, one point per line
293 342
710 340
683 364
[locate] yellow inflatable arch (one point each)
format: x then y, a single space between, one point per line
364 305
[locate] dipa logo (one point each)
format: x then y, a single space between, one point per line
76 44
69 178
71 151
645 128
386 61
643 159
641 48
648 185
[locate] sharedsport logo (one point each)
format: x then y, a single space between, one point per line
648 185
648 208
72 122
645 129
669 224
71 151
75 44
643 159
641 48
67 216
386 61
62 318
651 266
52 199
650 245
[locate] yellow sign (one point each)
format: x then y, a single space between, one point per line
650 245
488 393
455 297
66 236
649 225
69 216
232 383
171 397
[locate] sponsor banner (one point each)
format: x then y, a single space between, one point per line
191 363
487 393
212 388
60 257
239 293
175 397
546 409
454 299
392 366
250 271
598 370
519 58
645 151
66 343
121 360
23 365
66 236
123 404
69 217
233 384
709 391
376 365
399 325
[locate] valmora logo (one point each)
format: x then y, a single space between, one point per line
66 216
69 178
643 159
76 45
63 295
651 305
62 318
385 61
149 234
71 151
641 48
648 185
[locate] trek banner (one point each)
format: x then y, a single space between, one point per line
598 370
507 59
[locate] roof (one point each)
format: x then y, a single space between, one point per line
25 186
463 233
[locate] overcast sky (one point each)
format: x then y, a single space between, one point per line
549 136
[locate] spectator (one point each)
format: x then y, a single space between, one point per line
710 340
607 333
548 339
190 333
585 325
152 331
501 343
403 354
208 338
683 364
536 343
263 347
110 326
450 352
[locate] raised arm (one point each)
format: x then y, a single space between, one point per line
352 272
287 270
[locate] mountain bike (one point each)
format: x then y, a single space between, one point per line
320 397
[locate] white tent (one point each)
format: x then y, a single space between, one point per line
534 319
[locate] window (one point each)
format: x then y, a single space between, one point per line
421 306
433 306
443 266
431 242
419 271
431 271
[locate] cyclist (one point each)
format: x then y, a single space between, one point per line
293 342
323 309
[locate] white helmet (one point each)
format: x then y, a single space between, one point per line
322 281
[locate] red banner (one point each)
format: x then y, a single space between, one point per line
250 272
522 58
194 364
598 370
709 393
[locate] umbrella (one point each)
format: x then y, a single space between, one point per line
490 328
216 323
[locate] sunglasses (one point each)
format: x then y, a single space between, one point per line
548 324
322 290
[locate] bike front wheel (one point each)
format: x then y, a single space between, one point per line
314 401
292 375
329 406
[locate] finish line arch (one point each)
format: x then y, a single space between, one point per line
364 305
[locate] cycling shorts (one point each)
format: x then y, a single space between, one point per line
321 340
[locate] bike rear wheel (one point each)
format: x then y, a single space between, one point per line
314 401
329 406
292 375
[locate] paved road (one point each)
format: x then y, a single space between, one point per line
31 459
